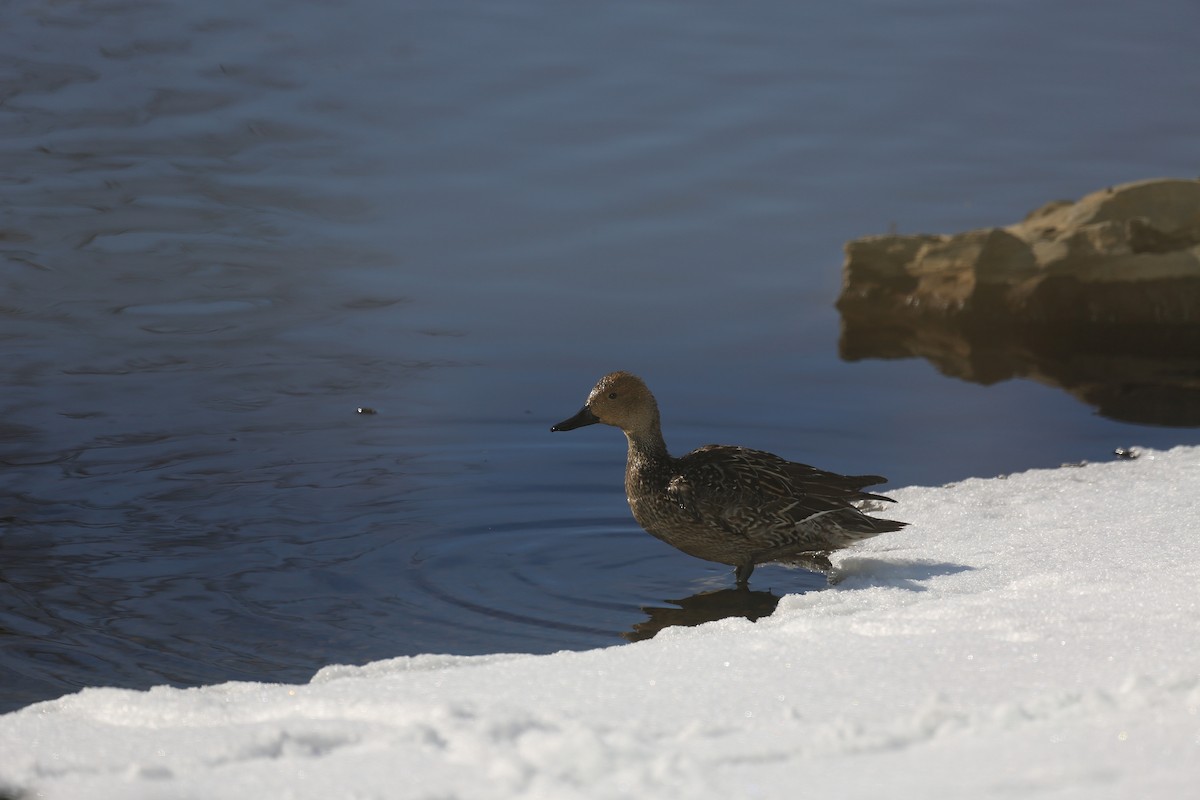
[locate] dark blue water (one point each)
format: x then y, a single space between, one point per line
224 227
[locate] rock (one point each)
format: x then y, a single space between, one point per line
1129 254
1099 296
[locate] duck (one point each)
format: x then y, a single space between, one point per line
728 504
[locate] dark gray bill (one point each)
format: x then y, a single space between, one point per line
584 417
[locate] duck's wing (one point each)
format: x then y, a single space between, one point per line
743 490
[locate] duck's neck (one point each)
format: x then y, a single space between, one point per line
647 449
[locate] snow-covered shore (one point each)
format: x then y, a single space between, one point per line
1032 635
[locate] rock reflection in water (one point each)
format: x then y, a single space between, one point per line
704 607
1131 374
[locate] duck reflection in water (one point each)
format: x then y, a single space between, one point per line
704 607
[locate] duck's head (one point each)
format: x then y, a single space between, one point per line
618 399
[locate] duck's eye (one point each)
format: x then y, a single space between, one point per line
612 395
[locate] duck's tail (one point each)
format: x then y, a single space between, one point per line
876 526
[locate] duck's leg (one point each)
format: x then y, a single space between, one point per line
742 573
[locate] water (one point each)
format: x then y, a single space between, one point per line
226 227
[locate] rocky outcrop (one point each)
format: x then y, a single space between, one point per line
1124 255
1099 296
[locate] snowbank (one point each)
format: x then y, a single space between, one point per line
1030 634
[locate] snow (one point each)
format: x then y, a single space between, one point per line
1033 635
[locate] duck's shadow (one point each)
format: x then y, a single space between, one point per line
860 572
852 573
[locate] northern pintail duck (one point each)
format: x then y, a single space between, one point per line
728 504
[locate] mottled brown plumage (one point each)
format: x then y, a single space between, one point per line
727 504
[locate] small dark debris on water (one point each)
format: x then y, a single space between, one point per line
1127 453
366 410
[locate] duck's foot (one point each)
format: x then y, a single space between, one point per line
742 575
816 562
813 562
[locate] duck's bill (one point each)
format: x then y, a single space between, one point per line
584 417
